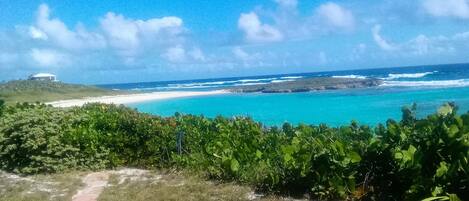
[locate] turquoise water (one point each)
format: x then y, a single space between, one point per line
370 106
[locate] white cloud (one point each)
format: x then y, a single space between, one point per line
121 33
336 16
48 58
288 24
128 35
380 41
287 3
358 52
239 53
424 45
197 54
37 34
447 8
178 54
421 44
58 32
175 54
255 31
461 36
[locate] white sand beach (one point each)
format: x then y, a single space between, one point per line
133 98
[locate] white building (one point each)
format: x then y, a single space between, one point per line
42 76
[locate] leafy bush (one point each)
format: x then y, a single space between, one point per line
2 106
408 160
31 140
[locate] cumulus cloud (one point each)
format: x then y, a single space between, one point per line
288 24
175 54
256 31
421 44
241 56
447 8
127 35
37 34
424 45
48 58
287 3
197 54
179 54
334 15
125 41
55 30
239 53
358 51
380 41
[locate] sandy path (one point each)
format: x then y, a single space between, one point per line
134 98
96 182
94 185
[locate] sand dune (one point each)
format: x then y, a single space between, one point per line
133 98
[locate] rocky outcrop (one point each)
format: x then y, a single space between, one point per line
309 84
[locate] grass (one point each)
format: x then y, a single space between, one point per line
151 186
54 187
179 186
46 91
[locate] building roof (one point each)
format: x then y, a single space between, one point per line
43 75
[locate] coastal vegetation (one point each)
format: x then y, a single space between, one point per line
411 159
309 84
43 91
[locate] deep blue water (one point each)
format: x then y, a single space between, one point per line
438 75
428 86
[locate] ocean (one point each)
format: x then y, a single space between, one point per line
427 86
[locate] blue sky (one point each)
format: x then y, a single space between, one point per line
144 40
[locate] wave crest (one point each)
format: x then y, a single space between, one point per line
438 83
350 76
393 76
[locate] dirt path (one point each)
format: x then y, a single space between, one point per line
95 184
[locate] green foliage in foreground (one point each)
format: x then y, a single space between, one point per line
2 106
408 160
44 91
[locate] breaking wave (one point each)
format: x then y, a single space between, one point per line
291 77
393 76
436 83
350 76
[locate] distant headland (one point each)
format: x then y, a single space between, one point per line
309 84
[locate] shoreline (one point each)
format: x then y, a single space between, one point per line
133 98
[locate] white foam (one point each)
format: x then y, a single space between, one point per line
256 80
201 84
171 87
436 83
350 76
248 84
392 76
291 77
278 81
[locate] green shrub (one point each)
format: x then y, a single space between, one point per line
35 138
408 160
2 106
31 140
